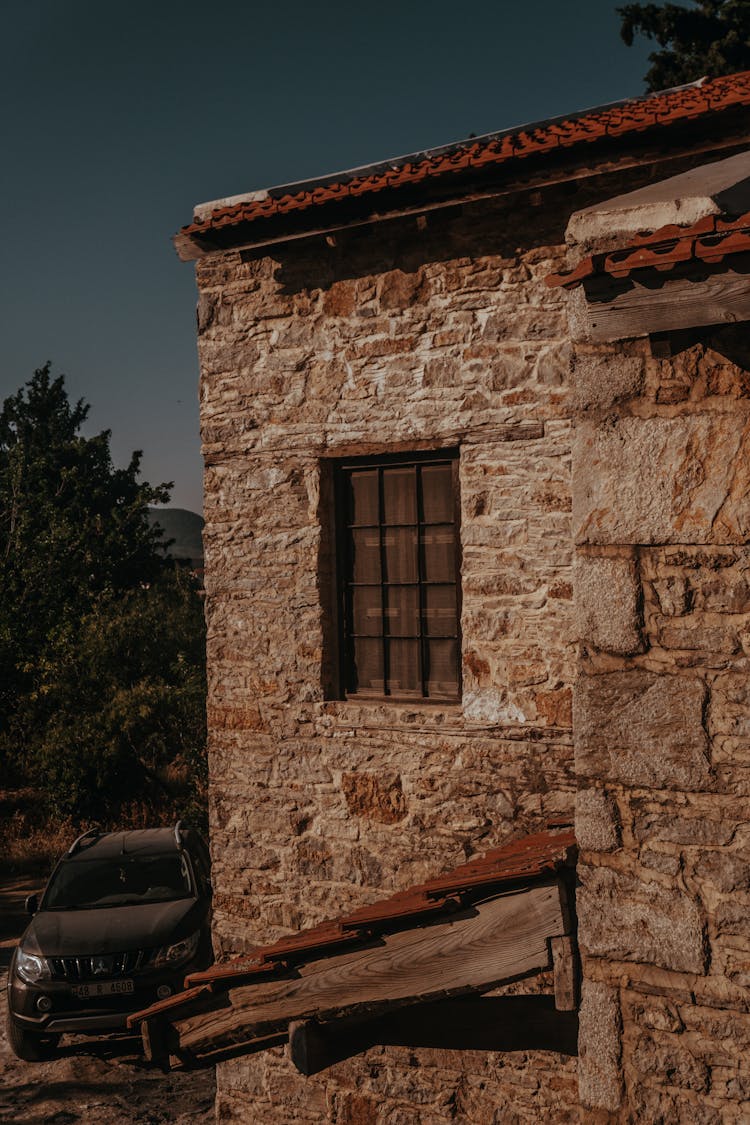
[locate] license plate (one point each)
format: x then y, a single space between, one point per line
104 988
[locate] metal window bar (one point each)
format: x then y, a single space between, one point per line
381 540
420 579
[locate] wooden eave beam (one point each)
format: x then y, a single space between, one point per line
649 302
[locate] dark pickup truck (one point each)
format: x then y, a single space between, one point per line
124 917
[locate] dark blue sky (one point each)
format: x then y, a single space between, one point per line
118 117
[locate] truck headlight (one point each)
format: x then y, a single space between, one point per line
32 968
177 953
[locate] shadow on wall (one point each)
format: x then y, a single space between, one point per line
475 1023
502 225
731 341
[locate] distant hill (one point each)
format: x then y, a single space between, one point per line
185 528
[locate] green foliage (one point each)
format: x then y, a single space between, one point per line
102 665
712 37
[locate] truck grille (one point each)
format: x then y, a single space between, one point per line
107 966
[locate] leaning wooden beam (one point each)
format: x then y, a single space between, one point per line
502 939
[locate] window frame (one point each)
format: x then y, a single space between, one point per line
345 663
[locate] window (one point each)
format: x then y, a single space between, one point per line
398 576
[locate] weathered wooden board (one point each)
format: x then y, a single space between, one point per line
671 305
498 940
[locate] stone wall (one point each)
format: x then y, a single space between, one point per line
661 522
407 336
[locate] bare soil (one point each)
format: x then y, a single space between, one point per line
101 1079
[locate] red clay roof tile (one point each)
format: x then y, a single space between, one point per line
662 109
709 240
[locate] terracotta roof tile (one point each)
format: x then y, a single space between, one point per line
658 110
528 858
711 239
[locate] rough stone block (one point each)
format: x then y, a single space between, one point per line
704 820
599 1074
729 711
601 381
555 708
378 798
674 596
694 635
607 594
622 917
662 480
641 729
668 1062
727 871
597 827
656 860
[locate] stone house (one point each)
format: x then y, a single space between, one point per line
477 561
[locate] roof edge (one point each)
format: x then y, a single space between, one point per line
366 193
204 210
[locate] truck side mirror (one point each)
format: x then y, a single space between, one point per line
32 904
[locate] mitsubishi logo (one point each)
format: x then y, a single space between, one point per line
100 966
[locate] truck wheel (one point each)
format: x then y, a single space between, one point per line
31 1046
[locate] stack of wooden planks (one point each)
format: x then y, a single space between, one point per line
501 917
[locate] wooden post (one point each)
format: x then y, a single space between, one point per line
305 1046
153 1037
565 967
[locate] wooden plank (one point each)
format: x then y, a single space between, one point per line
249 1047
192 1000
502 939
668 305
565 966
153 1049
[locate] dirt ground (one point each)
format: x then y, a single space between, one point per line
102 1079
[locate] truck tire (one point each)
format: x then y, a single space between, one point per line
31 1046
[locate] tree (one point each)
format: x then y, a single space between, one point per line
712 37
101 641
121 696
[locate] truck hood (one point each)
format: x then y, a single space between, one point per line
113 929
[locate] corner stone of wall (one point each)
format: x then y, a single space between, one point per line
661 479
629 917
661 521
596 821
600 381
599 1073
607 593
621 719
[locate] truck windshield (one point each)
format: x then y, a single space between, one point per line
125 881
